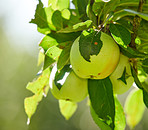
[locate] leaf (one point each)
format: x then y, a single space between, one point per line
67 108
31 103
134 107
98 120
102 100
81 6
91 14
143 48
64 37
51 55
61 76
66 14
83 25
141 74
41 58
40 17
132 53
143 31
77 27
103 8
57 20
123 77
90 44
120 34
59 4
64 57
39 84
134 74
142 15
145 65
145 98
120 121
40 88
48 42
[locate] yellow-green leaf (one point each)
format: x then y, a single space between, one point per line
39 84
41 57
40 88
31 103
67 108
134 107
120 121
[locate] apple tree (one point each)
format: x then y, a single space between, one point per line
94 49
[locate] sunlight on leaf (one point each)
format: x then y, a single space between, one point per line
67 108
40 88
134 107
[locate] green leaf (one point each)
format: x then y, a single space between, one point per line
123 77
143 48
67 108
134 107
141 74
41 58
30 104
143 31
48 42
145 98
66 14
61 76
90 44
39 84
142 15
77 27
120 121
57 20
103 8
82 25
64 37
81 6
132 53
40 16
145 65
51 55
91 14
120 34
40 88
64 57
59 4
98 120
134 74
102 100
41 19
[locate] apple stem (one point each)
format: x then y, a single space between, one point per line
136 24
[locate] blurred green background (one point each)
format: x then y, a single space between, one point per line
18 65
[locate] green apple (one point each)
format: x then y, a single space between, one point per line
73 88
101 65
119 87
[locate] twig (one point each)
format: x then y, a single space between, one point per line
136 24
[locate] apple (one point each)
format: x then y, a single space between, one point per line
101 65
119 87
73 88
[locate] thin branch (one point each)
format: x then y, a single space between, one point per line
136 24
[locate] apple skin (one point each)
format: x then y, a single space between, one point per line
74 88
119 87
101 65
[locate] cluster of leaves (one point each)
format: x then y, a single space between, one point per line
62 24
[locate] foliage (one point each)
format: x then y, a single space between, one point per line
62 24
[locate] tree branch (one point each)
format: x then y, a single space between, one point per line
136 24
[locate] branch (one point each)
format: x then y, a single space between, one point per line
136 24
